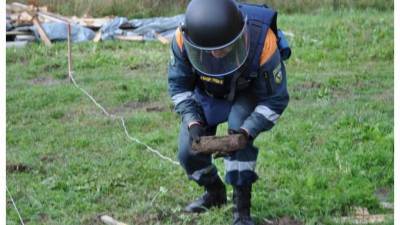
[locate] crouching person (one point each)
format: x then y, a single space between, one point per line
226 66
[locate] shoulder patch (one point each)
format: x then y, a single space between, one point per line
270 46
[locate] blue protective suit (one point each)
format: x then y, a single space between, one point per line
253 99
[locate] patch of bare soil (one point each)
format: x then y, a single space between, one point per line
140 106
43 217
18 168
46 81
51 67
48 158
157 218
139 66
81 111
282 221
307 85
93 220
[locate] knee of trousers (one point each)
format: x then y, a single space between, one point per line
198 167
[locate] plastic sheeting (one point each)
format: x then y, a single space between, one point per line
110 29
8 23
58 32
164 26
148 28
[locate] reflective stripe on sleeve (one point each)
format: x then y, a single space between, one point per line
267 113
178 98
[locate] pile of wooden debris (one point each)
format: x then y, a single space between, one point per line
27 23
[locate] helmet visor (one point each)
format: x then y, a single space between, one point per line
222 60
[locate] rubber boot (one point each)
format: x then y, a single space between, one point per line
242 204
214 196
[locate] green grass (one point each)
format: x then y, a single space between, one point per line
331 150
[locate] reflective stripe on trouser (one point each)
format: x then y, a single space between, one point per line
240 166
198 167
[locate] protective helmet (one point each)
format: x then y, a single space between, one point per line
215 36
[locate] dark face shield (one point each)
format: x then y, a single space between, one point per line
221 60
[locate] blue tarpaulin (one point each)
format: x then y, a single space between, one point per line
58 32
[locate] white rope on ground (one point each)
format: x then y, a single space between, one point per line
112 116
15 206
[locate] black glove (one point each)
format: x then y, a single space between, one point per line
196 131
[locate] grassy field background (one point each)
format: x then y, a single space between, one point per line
145 8
332 149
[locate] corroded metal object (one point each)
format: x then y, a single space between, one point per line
220 144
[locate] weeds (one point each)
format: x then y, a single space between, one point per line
331 150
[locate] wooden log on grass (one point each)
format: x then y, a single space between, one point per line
218 144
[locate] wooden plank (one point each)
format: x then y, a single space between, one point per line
129 38
95 23
14 33
41 32
50 16
21 18
25 38
97 37
161 38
